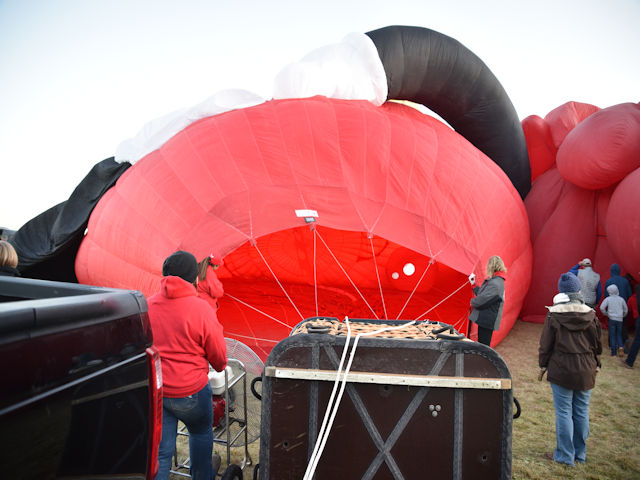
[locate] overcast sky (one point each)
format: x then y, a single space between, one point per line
77 77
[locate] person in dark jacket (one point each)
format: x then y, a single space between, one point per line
569 352
635 345
8 260
488 301
624 287
188 337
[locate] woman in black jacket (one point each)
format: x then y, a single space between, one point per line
489 300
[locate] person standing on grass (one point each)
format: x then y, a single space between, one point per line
635 345
615 307
569 352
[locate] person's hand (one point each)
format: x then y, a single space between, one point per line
472 279
541 373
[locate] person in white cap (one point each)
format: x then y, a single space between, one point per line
590 281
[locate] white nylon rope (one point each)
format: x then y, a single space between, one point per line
315 277
278 281
415 288
348 277
375 263
322 441
444 299
226 294
313 460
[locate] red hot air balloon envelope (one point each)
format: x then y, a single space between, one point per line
390 186
344 206
585 205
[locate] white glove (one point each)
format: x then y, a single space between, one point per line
472 279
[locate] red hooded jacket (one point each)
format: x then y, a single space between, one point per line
210 289
188 336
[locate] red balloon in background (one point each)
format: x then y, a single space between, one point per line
585 205
390 185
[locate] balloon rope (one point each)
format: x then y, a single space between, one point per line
309 474
348 277
315 275
226 294
251 338
278 281
444 299
414 290
375 263
313 460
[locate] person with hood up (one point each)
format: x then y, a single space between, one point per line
590 282
568 352
489 300
615 307
188 337
624 287
209 286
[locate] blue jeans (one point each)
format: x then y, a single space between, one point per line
572 424
635 345
196 412
615 336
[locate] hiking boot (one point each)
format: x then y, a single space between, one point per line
620 352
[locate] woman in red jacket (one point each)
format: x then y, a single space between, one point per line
209 287
189 337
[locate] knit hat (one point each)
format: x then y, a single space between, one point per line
569 283
181 264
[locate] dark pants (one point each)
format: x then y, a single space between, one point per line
635 345
484 335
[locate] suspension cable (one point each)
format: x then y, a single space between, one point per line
415 288
348 277
315 274
444 299
227 294
375 263
278 281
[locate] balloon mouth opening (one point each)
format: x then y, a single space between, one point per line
287 276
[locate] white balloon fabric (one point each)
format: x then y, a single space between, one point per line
156 132
349 70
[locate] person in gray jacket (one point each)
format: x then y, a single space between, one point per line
488 301
615 307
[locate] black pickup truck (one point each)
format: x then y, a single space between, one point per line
80 382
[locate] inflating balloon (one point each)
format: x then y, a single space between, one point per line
388 185
328 200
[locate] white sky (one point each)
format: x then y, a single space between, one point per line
79 76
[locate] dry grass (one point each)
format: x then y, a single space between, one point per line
612 449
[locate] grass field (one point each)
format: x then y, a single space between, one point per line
613 451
